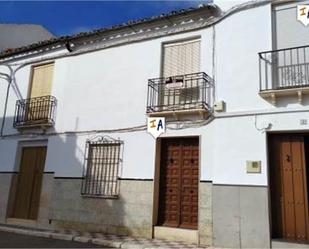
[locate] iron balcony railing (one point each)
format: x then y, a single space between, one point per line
38 111
181 92
284 68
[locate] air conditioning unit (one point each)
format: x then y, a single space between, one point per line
174 82
190 94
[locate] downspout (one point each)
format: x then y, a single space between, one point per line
5 105
69 46
214 92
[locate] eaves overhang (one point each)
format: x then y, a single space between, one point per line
129 29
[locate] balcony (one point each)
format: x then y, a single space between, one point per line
181 94
284 72
36 112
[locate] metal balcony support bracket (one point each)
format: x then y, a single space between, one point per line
273 95
273 98
300 96
175 115
202 114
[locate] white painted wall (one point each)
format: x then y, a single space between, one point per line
239 38
107 89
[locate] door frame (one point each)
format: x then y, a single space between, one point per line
156 182
268 135
26 143
14 183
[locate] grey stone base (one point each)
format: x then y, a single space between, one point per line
229 216
240 217
130 214
5 186
205 213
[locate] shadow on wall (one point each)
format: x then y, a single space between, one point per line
7 174
69 208
61 204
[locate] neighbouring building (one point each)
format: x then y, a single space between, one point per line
18 35
231 79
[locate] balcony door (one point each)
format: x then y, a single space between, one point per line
290 66
38 108
179 59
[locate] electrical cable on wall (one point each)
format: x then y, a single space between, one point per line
74 51
264 125
185 125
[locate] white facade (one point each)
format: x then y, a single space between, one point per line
103 91
94 94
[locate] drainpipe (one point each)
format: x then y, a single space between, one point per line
9 79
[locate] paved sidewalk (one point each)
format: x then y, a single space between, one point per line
104 240
14 240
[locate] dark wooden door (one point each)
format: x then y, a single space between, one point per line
288 186
30 176
179 177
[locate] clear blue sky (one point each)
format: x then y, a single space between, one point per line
68 17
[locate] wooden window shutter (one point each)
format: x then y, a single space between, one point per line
181 58
42 77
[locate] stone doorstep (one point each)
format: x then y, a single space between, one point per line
280 244
176 234
116 242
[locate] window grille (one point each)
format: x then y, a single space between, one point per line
102 168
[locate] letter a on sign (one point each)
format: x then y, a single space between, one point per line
303 14
156 126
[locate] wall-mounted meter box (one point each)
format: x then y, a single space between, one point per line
219 106
253 166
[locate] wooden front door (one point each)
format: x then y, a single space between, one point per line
30 176
288 186
179 177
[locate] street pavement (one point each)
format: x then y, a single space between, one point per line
77 239
12 240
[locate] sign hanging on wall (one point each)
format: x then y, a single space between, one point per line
156 126
303 14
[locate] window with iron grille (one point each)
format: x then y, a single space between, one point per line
102 168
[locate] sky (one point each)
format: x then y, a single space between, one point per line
69 17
